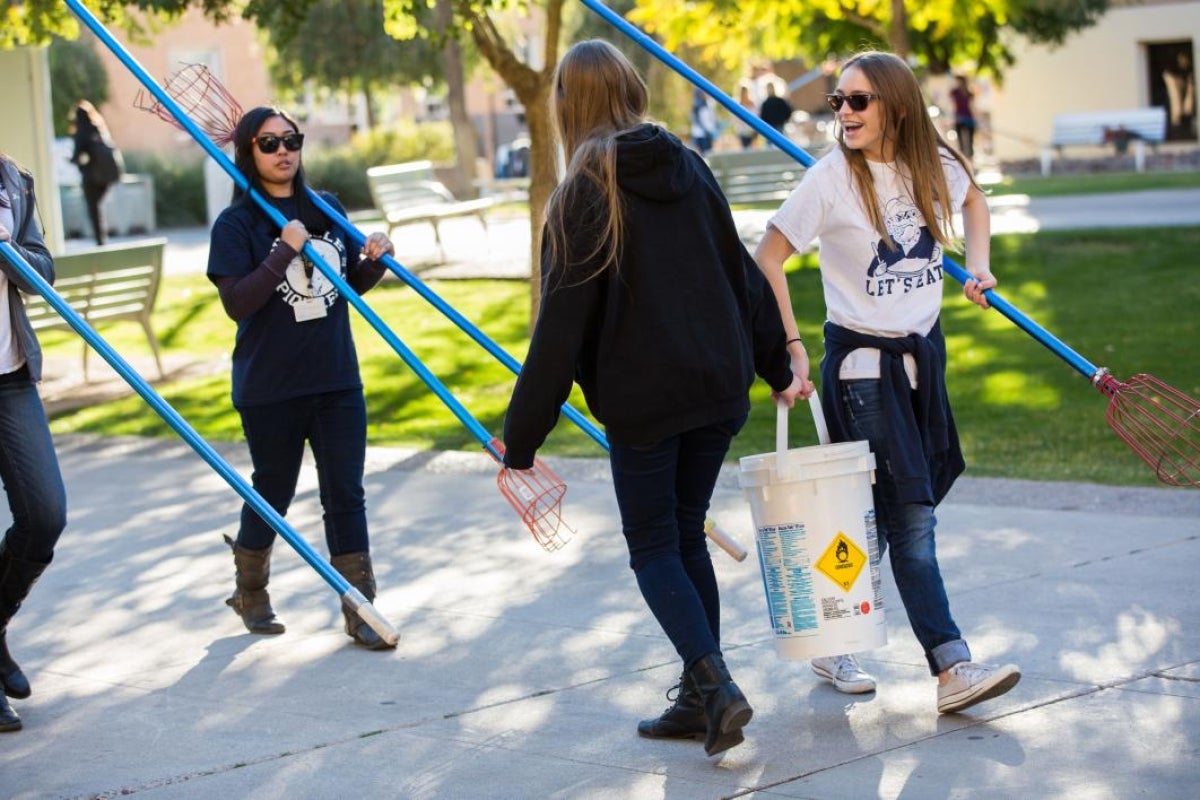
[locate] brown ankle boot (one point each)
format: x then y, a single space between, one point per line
250 599
356 569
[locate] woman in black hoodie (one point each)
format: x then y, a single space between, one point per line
651 302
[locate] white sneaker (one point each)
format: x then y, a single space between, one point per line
844 673
972 683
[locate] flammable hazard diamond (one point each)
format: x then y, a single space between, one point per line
842 561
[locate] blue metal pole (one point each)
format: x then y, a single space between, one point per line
482 339
181 426
273 213
1059 348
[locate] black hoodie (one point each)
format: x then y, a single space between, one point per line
672 338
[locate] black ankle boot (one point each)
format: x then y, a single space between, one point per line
17 577
252 571
726 711
357 570
9 721
683 720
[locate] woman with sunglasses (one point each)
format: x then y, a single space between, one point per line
882 204
28 463
295 368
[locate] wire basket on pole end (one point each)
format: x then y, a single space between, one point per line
536 495
1159 423
202 97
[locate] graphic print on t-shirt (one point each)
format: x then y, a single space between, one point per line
916 250
304 281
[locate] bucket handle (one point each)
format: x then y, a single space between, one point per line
781 427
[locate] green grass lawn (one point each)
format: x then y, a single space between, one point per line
1125 299
1055 185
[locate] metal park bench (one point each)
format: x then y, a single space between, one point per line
755 176
105 284
1136 126
410 193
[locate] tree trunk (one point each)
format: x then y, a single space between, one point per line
456 98
532 88
898 30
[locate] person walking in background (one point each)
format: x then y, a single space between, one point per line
37 498
776 111
704 122
964 116
665 331
745 133
99 161
883 374
295 369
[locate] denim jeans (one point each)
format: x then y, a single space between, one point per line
335 425
29 469
906 530
663 490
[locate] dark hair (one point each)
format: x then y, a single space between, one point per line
243 157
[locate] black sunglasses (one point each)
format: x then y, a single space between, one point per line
269 142
857 102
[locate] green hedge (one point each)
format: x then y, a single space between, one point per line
179 179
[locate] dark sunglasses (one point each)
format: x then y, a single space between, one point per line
857 102
269 142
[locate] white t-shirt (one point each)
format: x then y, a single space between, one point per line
10 354
869 288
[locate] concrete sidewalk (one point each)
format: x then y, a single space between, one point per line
522 674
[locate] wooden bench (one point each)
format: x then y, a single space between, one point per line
755 176
1100 128
410 193
105 284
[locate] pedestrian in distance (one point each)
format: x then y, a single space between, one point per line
29 467
964 116
100 164
776 111
652 303
745 133
704 122
295 369
883 374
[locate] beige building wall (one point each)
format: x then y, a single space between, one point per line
1102 68
27 131
231 51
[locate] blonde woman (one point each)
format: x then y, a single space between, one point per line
652 303
882 204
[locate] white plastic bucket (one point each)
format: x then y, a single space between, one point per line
815 531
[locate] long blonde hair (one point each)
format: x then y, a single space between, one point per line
916 143
597 96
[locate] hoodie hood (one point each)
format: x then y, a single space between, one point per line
654 164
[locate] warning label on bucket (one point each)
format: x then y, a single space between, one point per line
842 561
786 568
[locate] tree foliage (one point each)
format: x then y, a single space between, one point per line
937 34
76 73
342 44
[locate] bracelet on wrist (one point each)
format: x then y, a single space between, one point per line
797 339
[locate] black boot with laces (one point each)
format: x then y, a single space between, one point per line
683 720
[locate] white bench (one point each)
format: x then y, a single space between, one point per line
1100 128
410 192
105 284
755 176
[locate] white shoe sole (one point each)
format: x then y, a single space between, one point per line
1000 683
857 687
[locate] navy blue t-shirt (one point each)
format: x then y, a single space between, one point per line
276 357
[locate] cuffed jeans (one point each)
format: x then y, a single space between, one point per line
663 491
335 425
906 530
29 469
